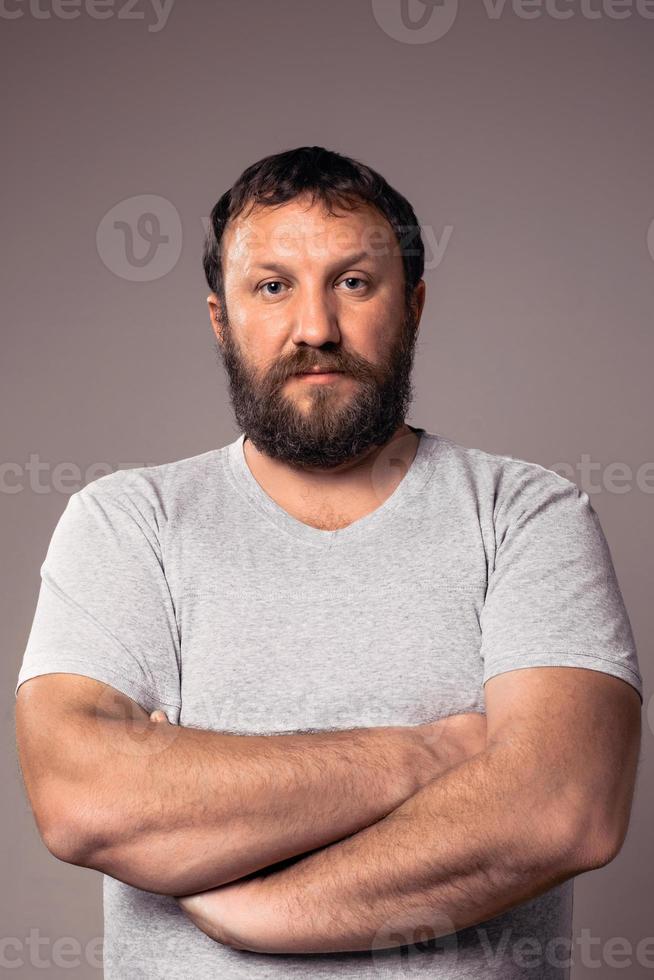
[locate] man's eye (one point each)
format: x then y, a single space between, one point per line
354 279
274 282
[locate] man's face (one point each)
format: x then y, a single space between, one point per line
306 289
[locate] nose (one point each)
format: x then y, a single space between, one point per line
315 319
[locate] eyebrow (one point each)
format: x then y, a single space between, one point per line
345 261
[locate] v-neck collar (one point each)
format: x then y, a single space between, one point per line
247 484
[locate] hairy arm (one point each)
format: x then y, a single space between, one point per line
174 810
549 798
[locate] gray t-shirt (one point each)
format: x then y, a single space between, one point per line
186 587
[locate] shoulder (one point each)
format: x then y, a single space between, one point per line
155 495
511 484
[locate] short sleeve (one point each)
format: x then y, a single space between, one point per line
553 598
104 608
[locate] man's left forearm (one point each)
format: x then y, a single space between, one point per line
484 837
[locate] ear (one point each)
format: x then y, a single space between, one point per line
215 315
419 295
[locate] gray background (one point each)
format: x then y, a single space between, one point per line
525 145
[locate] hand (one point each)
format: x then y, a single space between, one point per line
238 914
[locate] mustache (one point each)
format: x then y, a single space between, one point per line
303 365
320 366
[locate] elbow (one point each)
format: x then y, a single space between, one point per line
604 823
560 842
67 832
66 843
606 816
137 859
600 844
587 841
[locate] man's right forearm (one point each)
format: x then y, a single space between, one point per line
176 810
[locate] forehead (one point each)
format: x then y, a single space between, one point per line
299 230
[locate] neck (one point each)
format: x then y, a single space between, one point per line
356 483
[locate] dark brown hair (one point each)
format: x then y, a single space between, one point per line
326 176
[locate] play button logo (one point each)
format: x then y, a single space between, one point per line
415 21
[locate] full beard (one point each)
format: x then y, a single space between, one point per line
334 428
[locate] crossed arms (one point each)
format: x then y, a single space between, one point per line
388 830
